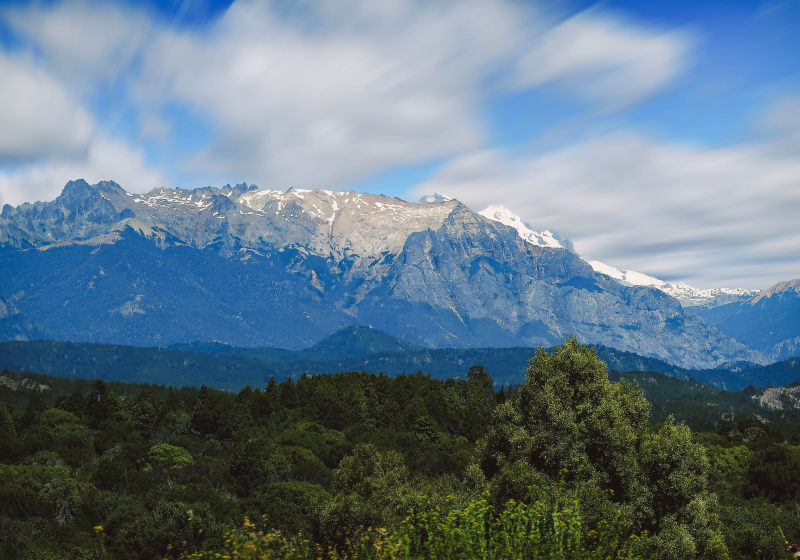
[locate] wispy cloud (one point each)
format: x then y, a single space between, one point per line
666 209
330 93
39 118
601 57
85 43
105 158
341 93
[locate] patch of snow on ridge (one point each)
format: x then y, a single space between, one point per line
687 295
629 277
712 297
498 213
434 198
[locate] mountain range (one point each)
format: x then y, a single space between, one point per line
687 295
254 267
768 321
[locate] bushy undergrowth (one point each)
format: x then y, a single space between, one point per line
538 531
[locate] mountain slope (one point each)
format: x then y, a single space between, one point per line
687 295
285 268
768 321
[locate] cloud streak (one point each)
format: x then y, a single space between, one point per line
599 57
372 85
712 217
332 92
39 118
85 44
105 159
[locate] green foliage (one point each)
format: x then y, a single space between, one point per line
753 528
569 422
540 531
675 468
775 472
169 461
8 435
370 466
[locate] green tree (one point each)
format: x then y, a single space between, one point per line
570 422
145 410
8 435
479 402
169 461
369 491
212 414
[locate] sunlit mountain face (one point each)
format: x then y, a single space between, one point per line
259 267
660 139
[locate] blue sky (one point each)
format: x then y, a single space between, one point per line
662 137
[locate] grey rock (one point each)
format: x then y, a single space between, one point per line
261 267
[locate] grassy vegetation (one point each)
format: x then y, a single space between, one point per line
353 465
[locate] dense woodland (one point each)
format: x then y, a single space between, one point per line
566 465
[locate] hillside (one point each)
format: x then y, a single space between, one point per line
229 367
768 321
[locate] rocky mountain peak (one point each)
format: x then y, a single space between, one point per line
78 192
76 186
256 266
788 287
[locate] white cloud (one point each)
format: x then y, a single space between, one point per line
39 118
783 121
85 43
604 58
329 92
349 89
47 135
343 92
105 159
712 217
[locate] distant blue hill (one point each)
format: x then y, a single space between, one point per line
768 321
351 349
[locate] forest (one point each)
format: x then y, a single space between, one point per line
566 465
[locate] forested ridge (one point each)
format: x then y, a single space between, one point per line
232 368
566 465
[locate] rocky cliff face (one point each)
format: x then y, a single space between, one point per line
260 267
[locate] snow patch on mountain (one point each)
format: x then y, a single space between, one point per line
434 198
332 223
546 238
627 277
687 295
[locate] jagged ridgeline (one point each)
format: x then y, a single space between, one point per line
257 267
